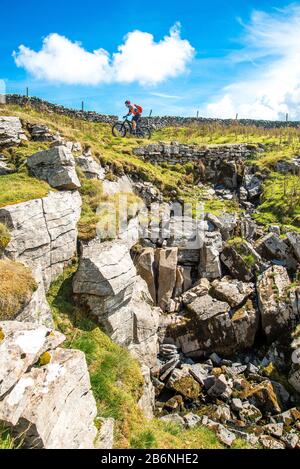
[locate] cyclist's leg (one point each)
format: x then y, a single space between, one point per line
135 120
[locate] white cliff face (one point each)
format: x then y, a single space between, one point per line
52 405
107 282
43 232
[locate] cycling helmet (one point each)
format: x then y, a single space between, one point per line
127 102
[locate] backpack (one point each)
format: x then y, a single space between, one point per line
138 108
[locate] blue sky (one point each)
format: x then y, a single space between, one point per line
174 57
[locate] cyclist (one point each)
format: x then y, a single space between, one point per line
136 110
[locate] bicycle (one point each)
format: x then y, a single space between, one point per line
121 129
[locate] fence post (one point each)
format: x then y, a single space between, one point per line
27 91
286 117
82 106
197 114
150 113
236 116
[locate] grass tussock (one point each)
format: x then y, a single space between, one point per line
16 288
4 236
6 439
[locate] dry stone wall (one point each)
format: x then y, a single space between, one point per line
156 122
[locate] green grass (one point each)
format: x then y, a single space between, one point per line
215 133
16 156
280 201
20 187
6 438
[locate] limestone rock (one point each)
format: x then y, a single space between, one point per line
173 418
294 240
41 133
192 420
269 442
107 282
105 438
147 401
43 232
275 302
212 327
90 167
41 404
166 260
37 310
225 223
253 185
5 167
232 291
182 382
56 166
11 132
241 260
210 266
249 413
272 247
146 269
122 184
21 346
264 397
200 289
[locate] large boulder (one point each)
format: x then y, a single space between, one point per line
210 266
273 248
38 401
11 132
209 325
43 232
56 166
241 259
5 167
166 260
278 311
107 282
90 167
253 184
225 223
21 345
233 291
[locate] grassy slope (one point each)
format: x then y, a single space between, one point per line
117 381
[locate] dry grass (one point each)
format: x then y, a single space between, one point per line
16 288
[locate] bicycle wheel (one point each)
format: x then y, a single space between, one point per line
143 132
119 129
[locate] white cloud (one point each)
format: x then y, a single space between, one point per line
148 62
63 61
164 95
139 59
272 87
